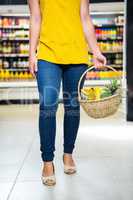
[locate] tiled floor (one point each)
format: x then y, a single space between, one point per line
104 157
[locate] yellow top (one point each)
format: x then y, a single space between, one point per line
62 39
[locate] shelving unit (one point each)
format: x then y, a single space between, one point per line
14 44
14 55
97 82
109 31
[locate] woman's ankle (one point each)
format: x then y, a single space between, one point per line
48 168
68 159
67 156
48 162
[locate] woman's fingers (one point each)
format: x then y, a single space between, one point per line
32 68
33 65
100 61
35 68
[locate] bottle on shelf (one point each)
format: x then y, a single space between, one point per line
5 63
1 64
0 21
1 48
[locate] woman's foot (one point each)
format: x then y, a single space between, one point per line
69 165
48 174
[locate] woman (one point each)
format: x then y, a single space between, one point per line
60 31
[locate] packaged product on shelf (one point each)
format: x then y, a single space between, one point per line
1 64
119 20
5 63
14 45
1 48
0 33
0 21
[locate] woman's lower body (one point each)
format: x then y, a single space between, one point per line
49 77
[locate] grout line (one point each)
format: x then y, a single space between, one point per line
15 181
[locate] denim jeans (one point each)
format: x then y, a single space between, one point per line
49 77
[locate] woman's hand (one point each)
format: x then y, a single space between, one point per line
33 64
99 60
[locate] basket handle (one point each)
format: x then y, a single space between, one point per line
89 69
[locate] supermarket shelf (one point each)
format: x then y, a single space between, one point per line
107 8
110 39
97 82
108 52
16 14
15 27
18 95
26 55
18 84
24 95
23 92
108 25
101 8
12 69
94 13
96 26
111 52
91 12
27 39
14 55
19 68
15 39
22 84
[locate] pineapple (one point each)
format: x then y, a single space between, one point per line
110 89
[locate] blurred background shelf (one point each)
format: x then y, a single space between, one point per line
14 45
17 84
14 55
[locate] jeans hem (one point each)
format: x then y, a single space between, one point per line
48 157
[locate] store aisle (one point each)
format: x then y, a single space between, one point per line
104 158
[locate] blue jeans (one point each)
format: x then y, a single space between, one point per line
49 76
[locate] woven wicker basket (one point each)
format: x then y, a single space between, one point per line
103 107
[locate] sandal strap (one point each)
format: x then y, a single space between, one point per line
67 167
52 178
48 178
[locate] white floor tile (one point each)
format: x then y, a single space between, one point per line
5 188
103 155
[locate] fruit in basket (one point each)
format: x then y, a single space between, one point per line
89 93
105 93
92 93
110 89
98 91
113 86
